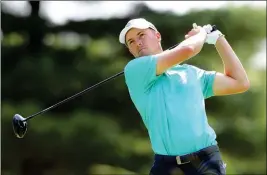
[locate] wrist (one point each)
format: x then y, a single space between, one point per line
213 37
220 41
221 37
200 36
204 35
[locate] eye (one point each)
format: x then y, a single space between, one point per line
141 35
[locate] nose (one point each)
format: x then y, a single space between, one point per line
139 43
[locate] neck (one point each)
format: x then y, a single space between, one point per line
159 50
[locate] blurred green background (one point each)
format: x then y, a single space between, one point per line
101 132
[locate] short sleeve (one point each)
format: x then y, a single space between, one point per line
140 73
206 79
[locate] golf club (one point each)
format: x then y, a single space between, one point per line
20 123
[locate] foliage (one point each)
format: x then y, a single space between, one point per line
101 132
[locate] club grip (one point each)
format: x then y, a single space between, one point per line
214 28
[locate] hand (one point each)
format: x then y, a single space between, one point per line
196 29
212 37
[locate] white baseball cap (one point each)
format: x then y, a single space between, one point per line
139 23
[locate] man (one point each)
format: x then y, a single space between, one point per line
170 96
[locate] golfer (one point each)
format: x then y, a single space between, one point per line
170 96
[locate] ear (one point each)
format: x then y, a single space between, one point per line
158 35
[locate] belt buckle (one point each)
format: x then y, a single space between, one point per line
179 162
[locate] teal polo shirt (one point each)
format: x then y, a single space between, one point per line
172 105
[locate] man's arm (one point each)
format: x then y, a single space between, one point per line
234 80
185 50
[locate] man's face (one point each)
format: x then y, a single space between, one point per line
143 42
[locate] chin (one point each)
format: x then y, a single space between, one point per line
144 54
141 55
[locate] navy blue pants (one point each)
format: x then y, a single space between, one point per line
207 161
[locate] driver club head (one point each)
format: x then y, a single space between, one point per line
19 125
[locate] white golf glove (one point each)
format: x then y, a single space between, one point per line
212 37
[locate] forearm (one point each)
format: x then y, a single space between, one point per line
185 50
196 42
232 65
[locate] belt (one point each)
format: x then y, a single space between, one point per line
199 155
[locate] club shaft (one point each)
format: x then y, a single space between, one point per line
88 89
75 95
